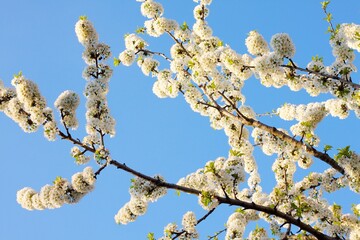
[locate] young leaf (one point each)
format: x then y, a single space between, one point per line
150 236
116 62
184 26
343 152
324 4
327 148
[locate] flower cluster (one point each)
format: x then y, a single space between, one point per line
351 35
151 9
60 193
282 45
86 32
187 233
130 211
27 107
79 156
142 192
98 73
67 104
220 177
189 222
350 161
256 44
237 222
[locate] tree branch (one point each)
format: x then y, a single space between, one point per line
155 53
274 131
354 85
222 200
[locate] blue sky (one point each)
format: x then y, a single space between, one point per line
153 135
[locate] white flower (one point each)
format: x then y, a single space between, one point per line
149 65
23 197
207 200
151 9
201 12
124 215
287 112
202 29
83 182
145 190
283 45
337 108
66 103
134 42
93 53
256 44
127 57
137 206
189 222
86 32
45 196
348 32
162 25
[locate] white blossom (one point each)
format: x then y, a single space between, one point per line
283 45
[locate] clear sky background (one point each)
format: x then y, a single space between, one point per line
153 135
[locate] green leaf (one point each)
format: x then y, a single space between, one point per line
343 152
141 45
212 85
116 61
240 210
184 26
235 153
230 61
18 75
140 30
357 35
317 58
191 64
210 167
355 210
327 148
324 4
307 124
178 193
205 198
57 179
150 236
83 17
308 136
328 17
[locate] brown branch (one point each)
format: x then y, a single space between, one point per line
274 131
180 43
205 216
217 234
354 85
155 53
75 141
97 173
222 200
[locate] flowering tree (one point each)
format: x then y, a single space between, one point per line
210 75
